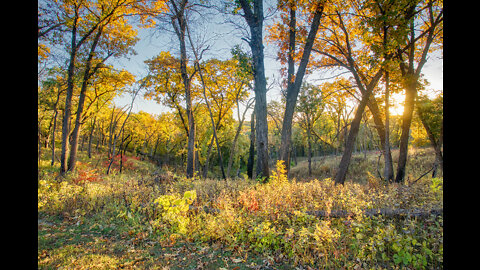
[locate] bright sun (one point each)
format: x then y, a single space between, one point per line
396 104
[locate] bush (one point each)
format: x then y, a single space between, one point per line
276 218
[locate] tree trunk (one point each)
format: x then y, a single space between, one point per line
436 144
410 94
89 149
78 121
113 154
53 131
388 170
355 125
255 21
294 88
251 152
207 159
122 128
68 100
309 141
411 76
180 28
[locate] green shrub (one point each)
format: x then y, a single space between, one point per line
174 210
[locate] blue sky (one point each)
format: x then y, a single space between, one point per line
151 45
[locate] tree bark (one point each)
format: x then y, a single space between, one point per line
90 137
411 75
70 84
55 114
355 125
410 94
68 98
179 23
251 152
388 170
78 121
255 22
294 88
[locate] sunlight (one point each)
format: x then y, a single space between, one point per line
396 104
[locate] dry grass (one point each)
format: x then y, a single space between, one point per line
419 161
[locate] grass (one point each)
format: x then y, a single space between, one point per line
419 161
147 218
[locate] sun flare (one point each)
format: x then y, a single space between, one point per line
396 104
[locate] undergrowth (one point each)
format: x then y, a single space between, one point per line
150 212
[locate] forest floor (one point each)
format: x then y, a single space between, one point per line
151 218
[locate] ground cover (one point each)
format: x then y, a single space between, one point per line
148 218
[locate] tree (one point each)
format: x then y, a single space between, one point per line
430 113
428 16
335 43
179 24
164 84
310 108
244 74
81 19
226 88
122 128
294 80
254 18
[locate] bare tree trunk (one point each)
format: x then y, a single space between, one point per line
309 142
294 88
179 23
207 159
411 75
89 149
436 143
251 153
54 127
355 125
123 126
78 121
211 118
68 99
255 19
113 154
388 170
410 94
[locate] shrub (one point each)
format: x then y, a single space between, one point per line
174 210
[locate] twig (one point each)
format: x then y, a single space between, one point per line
415 181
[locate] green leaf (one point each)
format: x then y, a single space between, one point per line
397 258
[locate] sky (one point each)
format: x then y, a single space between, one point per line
151 44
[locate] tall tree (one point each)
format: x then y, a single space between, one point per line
253 14
178 9
340 50
310 108
81 19
427 15
294 80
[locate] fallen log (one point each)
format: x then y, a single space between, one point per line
376 212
